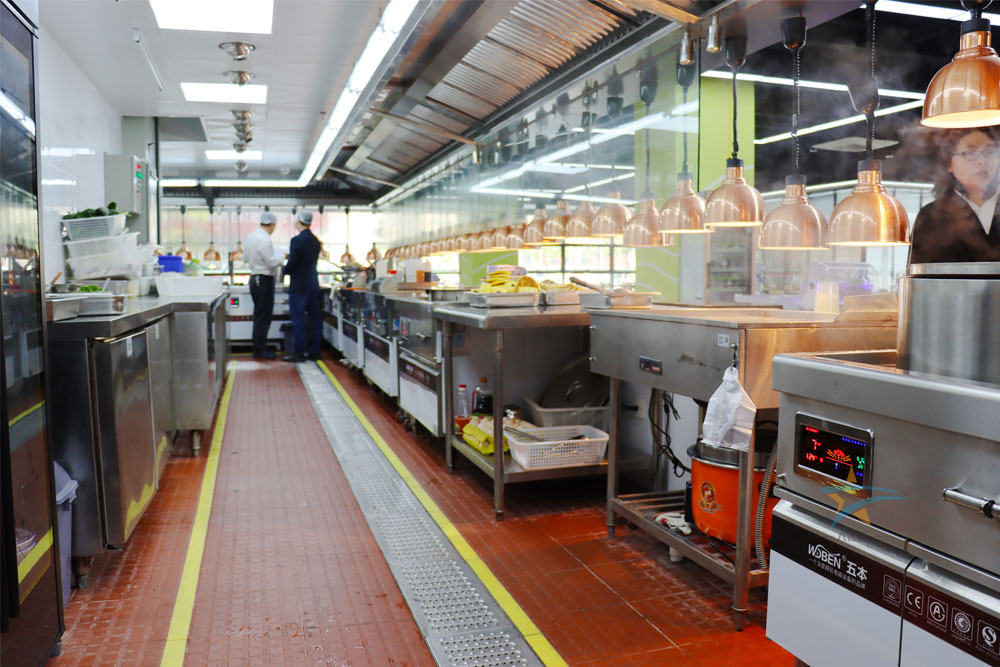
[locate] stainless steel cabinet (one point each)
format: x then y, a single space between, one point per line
199 355
126 452
161 388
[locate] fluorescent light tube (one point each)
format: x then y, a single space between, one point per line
229 93
244 183
58 181
929 11
816 85
838 123
538 194
603 181
230 154
599 200
247 16
383 38
137 38
178 182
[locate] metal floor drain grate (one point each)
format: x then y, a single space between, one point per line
460 621
483 649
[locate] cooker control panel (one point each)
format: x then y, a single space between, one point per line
834 454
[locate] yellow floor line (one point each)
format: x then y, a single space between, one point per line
180 620
545 651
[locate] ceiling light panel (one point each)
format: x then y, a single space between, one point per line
243 16
225 92
233 155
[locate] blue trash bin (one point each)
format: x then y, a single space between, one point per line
65 498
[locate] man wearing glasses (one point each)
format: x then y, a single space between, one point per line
963 223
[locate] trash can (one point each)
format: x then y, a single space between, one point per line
288 332
65 497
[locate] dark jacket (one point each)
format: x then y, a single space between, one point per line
948 230
303 252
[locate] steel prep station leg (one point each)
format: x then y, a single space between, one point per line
498 474
449 400
744 539
616 411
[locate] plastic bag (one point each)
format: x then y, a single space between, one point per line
729 418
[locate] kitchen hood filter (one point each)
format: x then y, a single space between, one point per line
795 224
683 213
642 231
966 91
555 226
581 224
870 216
611 218
735 203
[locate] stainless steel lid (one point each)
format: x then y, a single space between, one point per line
957 269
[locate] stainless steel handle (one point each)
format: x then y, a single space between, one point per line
986 506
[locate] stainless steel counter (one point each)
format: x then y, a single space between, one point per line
513 318
139 311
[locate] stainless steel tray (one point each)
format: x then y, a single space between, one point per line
95 303
62 306
505 300
561 298
616 300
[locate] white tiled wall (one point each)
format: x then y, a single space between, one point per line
76 128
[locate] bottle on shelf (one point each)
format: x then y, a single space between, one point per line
462 415
482 399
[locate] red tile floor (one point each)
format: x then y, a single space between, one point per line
292 575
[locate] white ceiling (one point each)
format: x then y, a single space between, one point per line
305 63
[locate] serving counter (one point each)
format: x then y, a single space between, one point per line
686 350
131 380
501 468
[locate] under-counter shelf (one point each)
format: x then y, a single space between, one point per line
513 471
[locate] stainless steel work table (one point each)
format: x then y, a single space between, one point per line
139 311
502 469
685 350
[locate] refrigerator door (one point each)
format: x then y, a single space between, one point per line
30 615
125 432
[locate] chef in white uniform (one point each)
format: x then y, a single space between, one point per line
264 262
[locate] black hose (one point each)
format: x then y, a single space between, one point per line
665 448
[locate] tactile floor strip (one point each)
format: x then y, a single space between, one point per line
460 621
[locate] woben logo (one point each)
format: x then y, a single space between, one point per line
820 552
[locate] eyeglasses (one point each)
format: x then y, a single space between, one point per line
983 154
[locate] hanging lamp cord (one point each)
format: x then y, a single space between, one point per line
798 106
870 116
684 136
736 143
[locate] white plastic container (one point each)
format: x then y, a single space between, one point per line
89 228
102 245
561 446
181 285
127 264
598 417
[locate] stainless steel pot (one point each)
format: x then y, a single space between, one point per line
949 320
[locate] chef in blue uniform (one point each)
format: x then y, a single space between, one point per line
304 300
963 223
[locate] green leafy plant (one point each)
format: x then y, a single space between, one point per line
110 209
90 288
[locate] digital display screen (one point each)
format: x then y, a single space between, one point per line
834 455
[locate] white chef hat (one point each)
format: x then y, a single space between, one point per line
304 218
268 218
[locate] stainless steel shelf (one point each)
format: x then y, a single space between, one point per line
513 472
641 509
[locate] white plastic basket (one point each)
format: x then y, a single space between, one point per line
102 245
181 285
90 228
598 417
562 446
126 264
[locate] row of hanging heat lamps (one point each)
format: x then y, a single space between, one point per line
964 93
